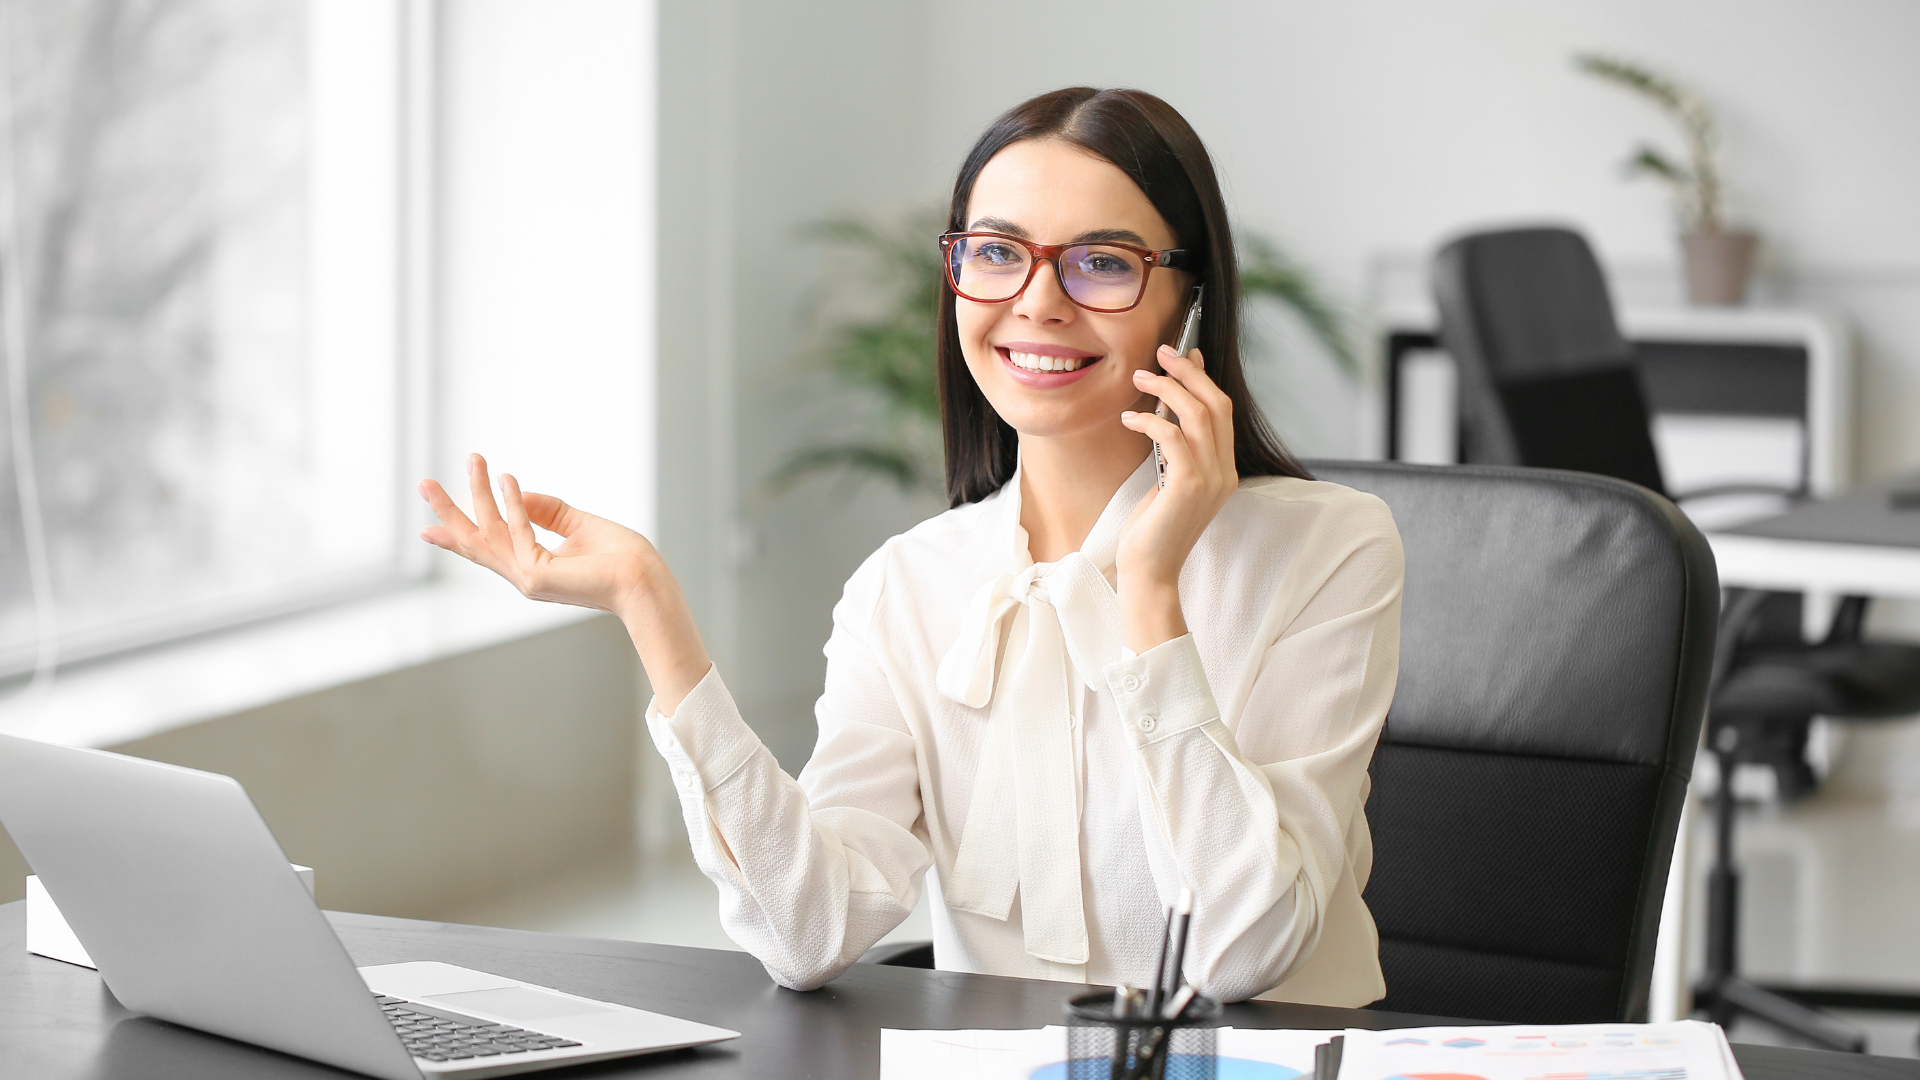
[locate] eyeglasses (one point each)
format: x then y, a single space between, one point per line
992 268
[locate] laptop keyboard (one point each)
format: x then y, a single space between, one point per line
448 1036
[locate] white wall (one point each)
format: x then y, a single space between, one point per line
1351 132
546 242
772 116
1356 130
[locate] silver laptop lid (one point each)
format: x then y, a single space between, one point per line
185 901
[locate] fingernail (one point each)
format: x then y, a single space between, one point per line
1142 373
1124 413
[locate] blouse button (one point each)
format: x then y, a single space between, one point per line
1131 683
1148 723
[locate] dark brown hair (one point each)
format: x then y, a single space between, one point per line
1154 145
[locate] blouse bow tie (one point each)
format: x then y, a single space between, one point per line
1061 626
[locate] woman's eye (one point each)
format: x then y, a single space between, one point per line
1105 264
997 254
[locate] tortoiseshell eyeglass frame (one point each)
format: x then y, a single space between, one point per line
1170 259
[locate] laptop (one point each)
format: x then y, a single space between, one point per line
184 900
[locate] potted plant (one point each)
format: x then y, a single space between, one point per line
1718 259
887 354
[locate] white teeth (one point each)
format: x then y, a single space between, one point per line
1036 362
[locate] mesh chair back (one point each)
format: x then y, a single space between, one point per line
1556 639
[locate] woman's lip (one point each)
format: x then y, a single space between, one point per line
1043 380
1042 349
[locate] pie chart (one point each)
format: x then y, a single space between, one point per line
1225 1069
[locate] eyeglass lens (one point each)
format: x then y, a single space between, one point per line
993 268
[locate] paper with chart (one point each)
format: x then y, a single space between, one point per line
1040 1054
1683 1050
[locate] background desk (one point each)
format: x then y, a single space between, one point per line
1738 395
57 1022
1857 544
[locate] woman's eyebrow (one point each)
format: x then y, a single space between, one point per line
1121 236
999 225
1092 236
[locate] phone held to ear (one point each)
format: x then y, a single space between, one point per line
1189 337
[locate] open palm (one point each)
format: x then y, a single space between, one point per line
600 564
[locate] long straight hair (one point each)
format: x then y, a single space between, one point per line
1154 145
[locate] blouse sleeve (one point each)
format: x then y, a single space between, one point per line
1255 818
811 872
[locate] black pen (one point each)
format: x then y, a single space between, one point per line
1182 915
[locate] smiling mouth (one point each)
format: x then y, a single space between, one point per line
1036 362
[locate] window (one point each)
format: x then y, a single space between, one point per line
208 294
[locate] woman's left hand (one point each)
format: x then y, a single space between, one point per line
1200 478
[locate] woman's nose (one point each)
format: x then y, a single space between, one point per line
1044 300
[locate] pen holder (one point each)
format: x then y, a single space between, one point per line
1102 1046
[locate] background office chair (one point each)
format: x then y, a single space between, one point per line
1556 641
1548 380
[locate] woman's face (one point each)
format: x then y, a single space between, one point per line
1051 192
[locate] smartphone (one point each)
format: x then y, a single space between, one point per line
1189 337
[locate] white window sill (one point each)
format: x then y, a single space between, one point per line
119 700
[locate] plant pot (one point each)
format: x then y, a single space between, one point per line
1719 265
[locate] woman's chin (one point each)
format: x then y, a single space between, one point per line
1056 419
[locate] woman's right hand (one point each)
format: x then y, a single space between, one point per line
600 565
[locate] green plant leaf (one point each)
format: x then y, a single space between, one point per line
1638 78
1265 271
887 356
1697 186
1649 160
887 463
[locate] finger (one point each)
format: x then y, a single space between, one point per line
1194 415
1170 436
1191 371
486 513
518 528
455 533
456 524
552 514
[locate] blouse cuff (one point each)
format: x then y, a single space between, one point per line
1162 692
705 740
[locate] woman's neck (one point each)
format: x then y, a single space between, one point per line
1067 480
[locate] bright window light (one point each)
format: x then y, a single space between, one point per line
204 267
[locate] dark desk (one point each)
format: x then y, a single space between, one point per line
57 1022
1866 543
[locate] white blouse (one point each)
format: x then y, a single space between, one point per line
981 718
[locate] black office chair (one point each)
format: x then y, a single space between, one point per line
1556 636
1556 641
1547 380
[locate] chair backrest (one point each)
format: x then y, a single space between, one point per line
1594 420
1556 638
1515 304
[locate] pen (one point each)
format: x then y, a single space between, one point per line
1182 915
1179 1003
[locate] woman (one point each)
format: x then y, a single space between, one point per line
1075 692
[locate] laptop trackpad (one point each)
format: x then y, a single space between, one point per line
520 1004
